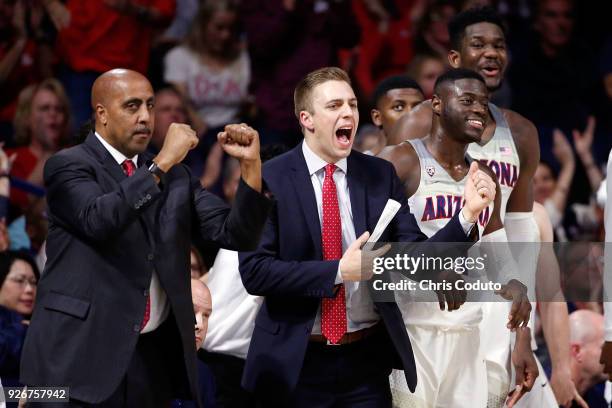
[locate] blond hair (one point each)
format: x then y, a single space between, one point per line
302 100
21 122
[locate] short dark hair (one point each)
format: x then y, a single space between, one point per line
393 82
458 24
7 258
456 74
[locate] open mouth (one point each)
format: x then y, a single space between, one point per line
476 123
343 135
490 70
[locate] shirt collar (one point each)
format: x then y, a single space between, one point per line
315 163
117 155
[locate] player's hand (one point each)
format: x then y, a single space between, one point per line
240 141
525 366
521 308
479 192
606 358
180 138
564 389
453 297
356 264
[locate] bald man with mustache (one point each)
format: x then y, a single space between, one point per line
114 320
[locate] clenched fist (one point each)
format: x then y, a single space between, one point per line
180 138
242 142
479 192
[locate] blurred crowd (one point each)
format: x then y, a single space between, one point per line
215 62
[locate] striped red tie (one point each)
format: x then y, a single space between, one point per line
333 310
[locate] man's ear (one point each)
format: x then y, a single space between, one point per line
454 58
306 121
101 114
575 351
436 104
376 119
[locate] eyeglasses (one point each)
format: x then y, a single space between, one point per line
23 281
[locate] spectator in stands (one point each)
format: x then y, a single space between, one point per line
23 56
212 67
586 338
212 70
96 36
41 128
287 39
18 280
552 65
169 108
425 69
432 31
386 45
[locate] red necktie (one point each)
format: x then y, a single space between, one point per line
333 310
129 168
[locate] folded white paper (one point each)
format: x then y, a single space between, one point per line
391 208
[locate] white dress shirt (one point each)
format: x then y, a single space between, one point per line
159 300
360 310
232 321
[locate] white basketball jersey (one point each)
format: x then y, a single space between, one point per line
437 199
501 155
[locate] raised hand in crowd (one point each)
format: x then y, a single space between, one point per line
562 151
58 12
583 141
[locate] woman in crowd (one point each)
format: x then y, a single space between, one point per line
212 70
42 124
18 280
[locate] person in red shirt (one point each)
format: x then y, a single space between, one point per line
102 35
22 57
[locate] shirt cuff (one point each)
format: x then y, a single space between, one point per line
338 277
465 224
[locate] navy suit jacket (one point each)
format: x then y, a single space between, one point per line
287 267
107 234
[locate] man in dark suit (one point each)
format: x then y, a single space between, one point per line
114 320
319 339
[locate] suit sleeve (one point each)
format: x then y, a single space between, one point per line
238 228
264 274
77 202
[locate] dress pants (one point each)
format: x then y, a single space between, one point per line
155 376
354 375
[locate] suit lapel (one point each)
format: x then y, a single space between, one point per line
356 185
306 197
146 218
110 165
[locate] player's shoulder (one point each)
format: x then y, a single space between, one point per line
520 126
524 134
404 158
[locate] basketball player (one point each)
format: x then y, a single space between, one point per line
452 372
509 146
